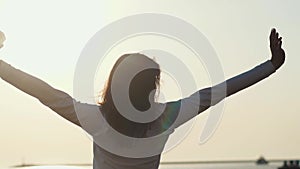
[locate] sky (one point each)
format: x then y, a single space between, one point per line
45 39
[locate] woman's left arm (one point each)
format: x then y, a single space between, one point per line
212 95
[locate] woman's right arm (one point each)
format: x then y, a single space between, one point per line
58 101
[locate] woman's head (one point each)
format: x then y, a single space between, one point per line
139 76
141 73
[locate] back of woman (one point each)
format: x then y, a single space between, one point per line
129 128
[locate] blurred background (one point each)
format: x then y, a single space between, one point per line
45 38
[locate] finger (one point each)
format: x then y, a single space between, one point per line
273 30
280 44
276 41
272 34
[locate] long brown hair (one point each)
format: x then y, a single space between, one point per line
141 85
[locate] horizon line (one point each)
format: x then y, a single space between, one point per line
163 162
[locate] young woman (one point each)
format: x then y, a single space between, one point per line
141 97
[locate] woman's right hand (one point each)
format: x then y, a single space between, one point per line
2 39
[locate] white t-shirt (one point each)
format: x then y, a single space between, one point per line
113 150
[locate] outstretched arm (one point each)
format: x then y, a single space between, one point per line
59 101
212 95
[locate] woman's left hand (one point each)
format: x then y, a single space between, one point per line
278 54
2 39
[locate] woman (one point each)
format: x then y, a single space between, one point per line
141 96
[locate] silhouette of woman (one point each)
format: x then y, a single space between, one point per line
140 89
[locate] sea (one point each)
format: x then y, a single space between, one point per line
222 166
175 166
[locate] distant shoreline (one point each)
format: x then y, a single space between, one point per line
167 162
222 161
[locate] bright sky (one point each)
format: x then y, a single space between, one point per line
45 38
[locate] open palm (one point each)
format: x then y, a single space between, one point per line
278 54
2 39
